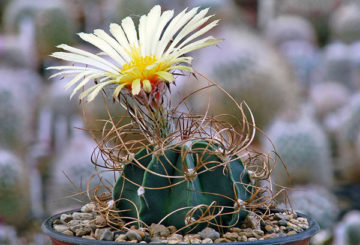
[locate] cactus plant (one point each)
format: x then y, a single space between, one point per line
328 97
335 66
290 28
346 133
348 230
53 22
14 198
304 148
186 163
304 58
186 170
345 23
15 121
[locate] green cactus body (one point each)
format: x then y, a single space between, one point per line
226 185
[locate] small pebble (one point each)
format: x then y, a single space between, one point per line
68 233
252 239
82 231
60 228
100 221
207 240
269 228
232 236
82 216
107 235
66 217
133 235
282 222
159 230
88 237
291 233
209 233
88 208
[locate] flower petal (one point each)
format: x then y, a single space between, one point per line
167 76
147 86
135 87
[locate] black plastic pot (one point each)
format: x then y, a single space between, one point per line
57 238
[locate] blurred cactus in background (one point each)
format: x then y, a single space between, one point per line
252 72
328 97
287 28
345 23
14 190
347 131
304 149
52 21
317 202
18 103
348 230
336 65
304 58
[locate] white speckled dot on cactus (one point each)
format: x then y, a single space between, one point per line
304 148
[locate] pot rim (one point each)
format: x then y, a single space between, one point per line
47 228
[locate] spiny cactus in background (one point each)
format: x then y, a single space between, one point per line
70 171
348 129
17 96
14 192
335 65
252 72
53 22
11 55
347 231
354 51
317 202
328 97
200 186
287 28
303 148
307 7
304 58
345 23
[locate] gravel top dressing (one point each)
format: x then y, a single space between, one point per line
86 223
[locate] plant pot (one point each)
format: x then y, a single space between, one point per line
58 238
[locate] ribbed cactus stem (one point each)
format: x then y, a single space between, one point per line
168 186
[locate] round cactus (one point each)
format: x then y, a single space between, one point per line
304 58
252 72
17 96
345 23
348 230
53 22
328 97
335 65
290 28
14 198
304 149
317 202
346 135
170 183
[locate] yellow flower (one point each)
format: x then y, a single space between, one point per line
137 59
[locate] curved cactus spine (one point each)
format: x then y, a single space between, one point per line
166 186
